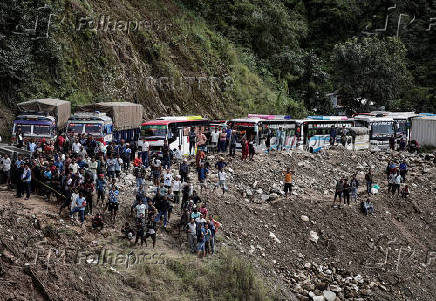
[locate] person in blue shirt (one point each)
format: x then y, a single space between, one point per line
80 207
101 188
32 146
47 176
403 170
59 164
26 178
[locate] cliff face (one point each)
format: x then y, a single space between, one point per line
152 52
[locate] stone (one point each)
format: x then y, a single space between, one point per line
329 295
248 192
273 196
259 191
307 265
335 288
304 218
264 197
274 237
318 298
313 236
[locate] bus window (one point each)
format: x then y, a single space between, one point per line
154 130
76 128
93 129
26 129
41 130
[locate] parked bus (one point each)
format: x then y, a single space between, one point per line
174 129
313 133
403 122
381 129
260 127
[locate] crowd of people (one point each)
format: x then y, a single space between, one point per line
347 190
82 175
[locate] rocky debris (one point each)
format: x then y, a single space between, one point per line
304 218
274 237
315 283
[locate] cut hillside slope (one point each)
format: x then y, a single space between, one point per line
151 52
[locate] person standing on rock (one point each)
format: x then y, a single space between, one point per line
222 141
80 205
214 137
354 188
288 182
396 183
244 145
339 191
368 179
232 144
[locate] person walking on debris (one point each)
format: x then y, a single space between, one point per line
232 144
156 168
339 191
151 232
368 179
288 182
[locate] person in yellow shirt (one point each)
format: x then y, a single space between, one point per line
288 181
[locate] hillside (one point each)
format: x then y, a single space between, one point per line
220 59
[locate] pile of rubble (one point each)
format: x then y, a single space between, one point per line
281 236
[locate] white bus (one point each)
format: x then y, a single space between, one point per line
381 129
261 127
174 129
313 133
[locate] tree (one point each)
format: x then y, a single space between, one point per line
370 68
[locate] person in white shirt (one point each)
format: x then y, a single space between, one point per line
74 166
214 137
140 210
221 181
176 188
168 179
76 146
7 168
178 154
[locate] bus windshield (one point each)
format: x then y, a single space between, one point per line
402 126
93 129
382 129
26 129
154 130
76 128
41 130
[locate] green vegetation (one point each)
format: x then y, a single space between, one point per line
222 277
277 56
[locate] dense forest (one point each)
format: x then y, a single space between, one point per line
277 56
